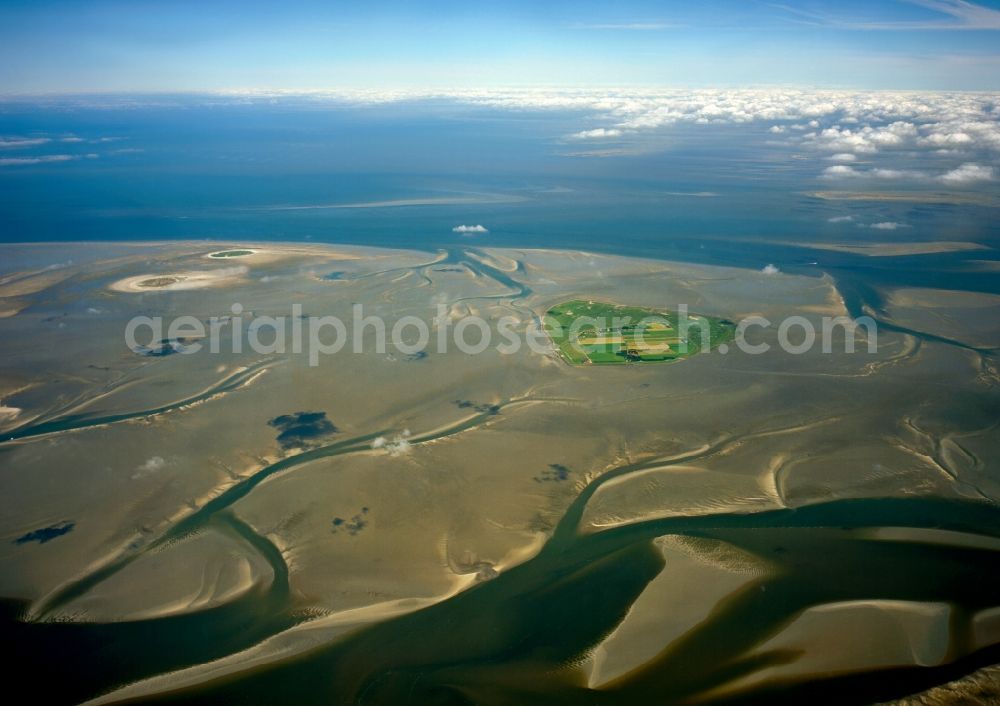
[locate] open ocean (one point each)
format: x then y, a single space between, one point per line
405 174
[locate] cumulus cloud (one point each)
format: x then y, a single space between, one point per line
967 174
151 465
866 139
9 143
466 230
770 269
844 172
840 219
842 157
396 446
841 172
857 122
884 225
597 133
878 116
44 159
832 122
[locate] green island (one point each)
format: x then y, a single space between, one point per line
601 333
231 253
159 282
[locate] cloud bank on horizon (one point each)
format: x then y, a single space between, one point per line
951 139
845 127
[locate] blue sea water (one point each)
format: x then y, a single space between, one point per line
186 168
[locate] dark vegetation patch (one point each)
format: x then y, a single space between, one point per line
165 347
555 473
154 282
352 526
300 428
486 573
482 408
46 534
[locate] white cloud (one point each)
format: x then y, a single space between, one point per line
866 139
883 173
397 446
860 122
960 14
465 230
17 161
840 219
967 174
770 269
151 465
8 143
841 172
884 225
844 172
596 134
842 157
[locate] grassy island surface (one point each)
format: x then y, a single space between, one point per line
587 331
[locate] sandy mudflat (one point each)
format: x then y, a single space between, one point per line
970 317
898 249
403 203
178 281
16 288
21 284
205 571
697 575
908 197
840 638
400 493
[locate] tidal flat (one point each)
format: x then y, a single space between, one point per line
389 526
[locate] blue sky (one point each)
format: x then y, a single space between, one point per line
123 46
